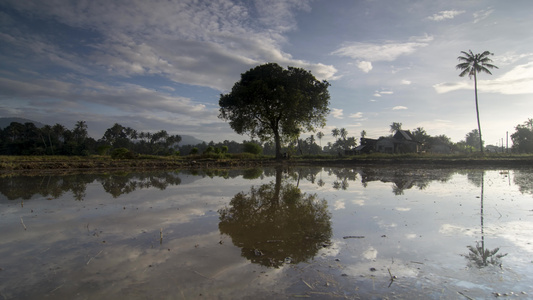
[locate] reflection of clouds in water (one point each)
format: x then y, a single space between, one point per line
410 236
370 253
359 202
519 233
454 230
399 268
121 268
339 204
383 225
403 208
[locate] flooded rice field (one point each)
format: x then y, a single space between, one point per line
319 233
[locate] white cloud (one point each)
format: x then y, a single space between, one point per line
406 82
364 66
510 57
519 80
336 113
357 115
482 14
445 14
386 51
205 44
399 108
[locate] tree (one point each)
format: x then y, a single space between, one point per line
319 136
335 132
363 134
523 137
275 103
395 126
472 139
470 65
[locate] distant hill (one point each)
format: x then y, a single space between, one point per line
189 140
4 122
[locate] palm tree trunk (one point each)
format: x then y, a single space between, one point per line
477 113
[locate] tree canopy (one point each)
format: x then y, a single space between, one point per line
270 102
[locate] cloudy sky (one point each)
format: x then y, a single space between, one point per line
154 65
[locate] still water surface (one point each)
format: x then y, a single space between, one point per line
320 233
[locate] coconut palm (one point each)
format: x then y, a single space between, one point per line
335 132
320 135
470 65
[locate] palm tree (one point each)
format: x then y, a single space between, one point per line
470 65
320 135
395 126
335 132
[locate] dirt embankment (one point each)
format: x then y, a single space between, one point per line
15 165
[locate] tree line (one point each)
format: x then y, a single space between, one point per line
28 139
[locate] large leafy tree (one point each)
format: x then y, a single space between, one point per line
523 137
271 102
471 64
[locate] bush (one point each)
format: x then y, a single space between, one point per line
122 153
252 148
209 149
194 151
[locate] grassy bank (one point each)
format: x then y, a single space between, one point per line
51 163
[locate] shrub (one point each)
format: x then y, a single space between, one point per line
252 148
209 149
122 153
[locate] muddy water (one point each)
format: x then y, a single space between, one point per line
321 233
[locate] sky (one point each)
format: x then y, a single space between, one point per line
162 65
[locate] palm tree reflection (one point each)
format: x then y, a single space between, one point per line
478 255
276 223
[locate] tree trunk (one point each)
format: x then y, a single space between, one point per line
277 141
477 113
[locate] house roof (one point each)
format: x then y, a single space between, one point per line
404 134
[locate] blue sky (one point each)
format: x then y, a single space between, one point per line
154 65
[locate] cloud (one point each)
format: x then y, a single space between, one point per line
364 66
207 44
399 108
482 14
445 14
336 113
357 115
386 51
381 93
518 80
405 82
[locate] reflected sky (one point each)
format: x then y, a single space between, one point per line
157 234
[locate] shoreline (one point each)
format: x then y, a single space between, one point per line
47 165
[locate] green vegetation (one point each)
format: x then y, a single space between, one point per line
277 104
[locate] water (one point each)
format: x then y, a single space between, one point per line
320 233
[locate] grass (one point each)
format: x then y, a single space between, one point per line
9 163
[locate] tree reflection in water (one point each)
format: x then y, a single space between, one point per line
478 255
276 223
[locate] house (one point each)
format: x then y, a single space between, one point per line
402 141
366 146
